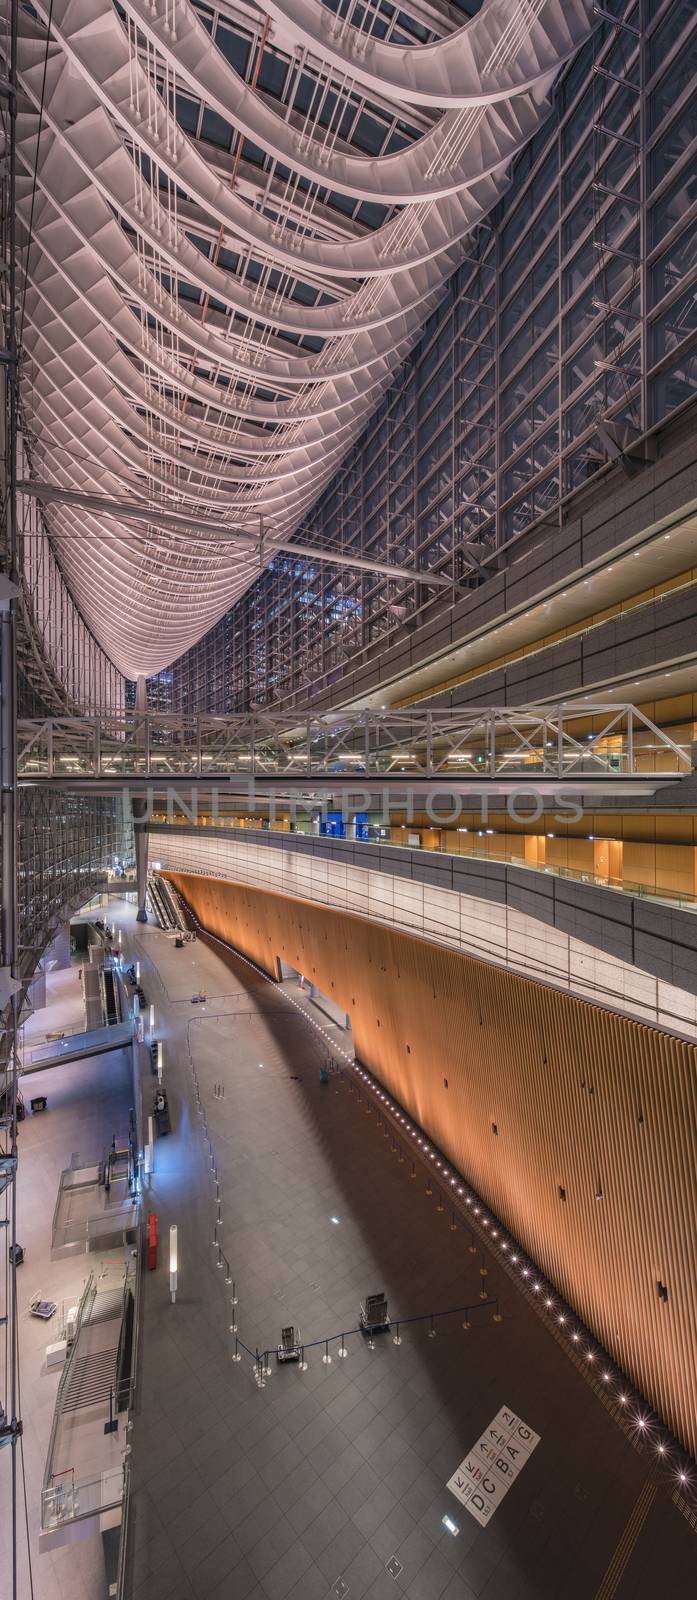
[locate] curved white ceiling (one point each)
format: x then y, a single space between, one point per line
216 299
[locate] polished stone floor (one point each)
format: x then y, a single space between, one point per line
332 1482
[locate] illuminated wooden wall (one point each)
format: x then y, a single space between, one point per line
545 1092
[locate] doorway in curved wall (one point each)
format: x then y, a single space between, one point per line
321 1003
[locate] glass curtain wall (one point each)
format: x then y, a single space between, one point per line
67 845
575 303
62 668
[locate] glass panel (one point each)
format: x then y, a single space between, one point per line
674 386
680 76
671 268
530 375
674 325
679 137
671 206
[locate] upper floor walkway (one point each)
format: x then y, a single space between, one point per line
592 742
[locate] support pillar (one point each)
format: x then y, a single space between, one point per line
139 809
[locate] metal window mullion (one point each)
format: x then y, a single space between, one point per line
561 309
643 222
498 432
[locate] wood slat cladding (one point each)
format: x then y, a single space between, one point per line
582 1100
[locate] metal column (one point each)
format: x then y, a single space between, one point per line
10 1424
139 813
139 808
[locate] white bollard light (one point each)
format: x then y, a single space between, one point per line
152 1021
173 1262
149 1150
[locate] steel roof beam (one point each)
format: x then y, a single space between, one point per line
137 511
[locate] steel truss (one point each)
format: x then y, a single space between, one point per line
567 740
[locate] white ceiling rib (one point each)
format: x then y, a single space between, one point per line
166 278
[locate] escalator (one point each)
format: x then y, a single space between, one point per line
112 1010
172 904
165 904
163 915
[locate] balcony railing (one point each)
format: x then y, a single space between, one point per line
77 1491
68 1501
376 836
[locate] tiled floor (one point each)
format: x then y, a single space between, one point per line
64 1011
325 1482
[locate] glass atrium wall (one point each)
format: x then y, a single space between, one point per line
67 845
61 665
576 302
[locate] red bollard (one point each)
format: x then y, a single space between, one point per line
152 1241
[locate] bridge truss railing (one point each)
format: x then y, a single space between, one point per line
566 739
